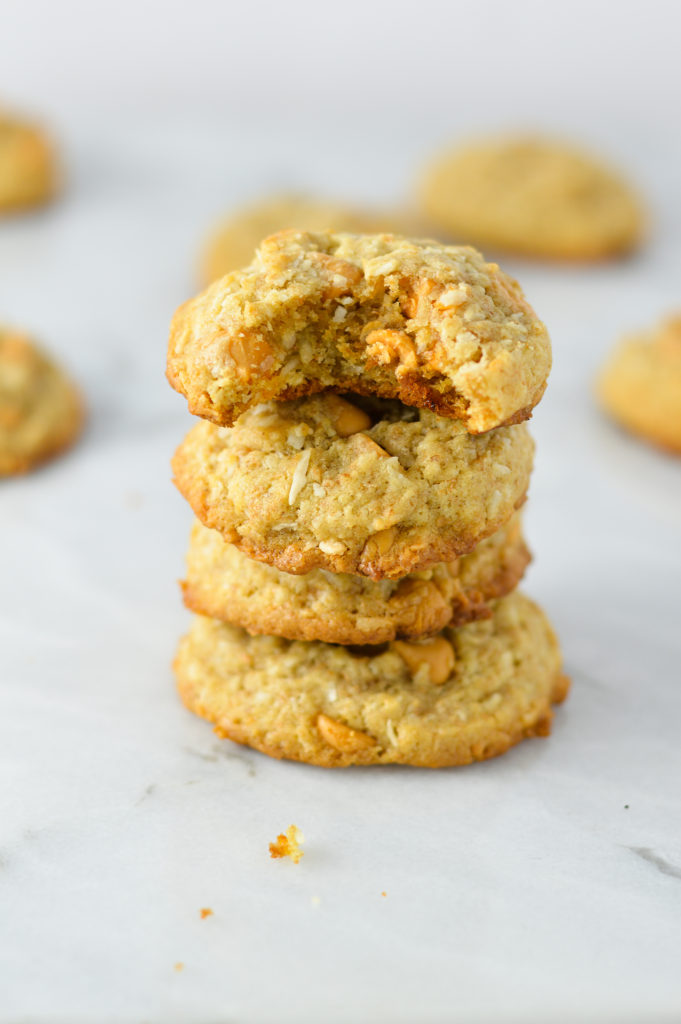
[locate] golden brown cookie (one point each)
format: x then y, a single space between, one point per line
234 243
41 411
640 386
341 609
433 325
465 695
379 490
534 197
27 165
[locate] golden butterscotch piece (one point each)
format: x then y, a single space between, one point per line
432 325
233 244
338 608
465 695
41 411
377 490
640 386
27 165
533 197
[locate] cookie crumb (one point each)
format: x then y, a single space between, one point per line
205 912
179 966
288 844
315 901
384 893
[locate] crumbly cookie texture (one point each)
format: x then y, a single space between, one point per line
534 197
233 244
640 386
466 695
27 165
224 584
41 411
433 325
379 490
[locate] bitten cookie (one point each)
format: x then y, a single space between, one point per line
27 165
432 325
234 243
377 490
640 386
41 412
465 695
342 609
534 197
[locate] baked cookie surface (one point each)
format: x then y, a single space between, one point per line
41 411
533 197
640 386
224 584
465 695
27 165
233 244
377 490
432 325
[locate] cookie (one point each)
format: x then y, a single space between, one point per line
434 326
234 243
41 412
533 197
640 386
27 165
465 695
224 584
377 490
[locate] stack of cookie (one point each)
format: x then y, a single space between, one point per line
357 480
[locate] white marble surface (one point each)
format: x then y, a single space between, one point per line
542 886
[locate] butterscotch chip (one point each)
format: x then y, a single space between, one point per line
532 196
412 490
640 386
233 244
27 164
224 584
41 412
330 706
432 325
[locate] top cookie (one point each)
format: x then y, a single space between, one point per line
641 384
533 197
433 325
234 243
27 171
41 412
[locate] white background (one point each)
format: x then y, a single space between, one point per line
539 887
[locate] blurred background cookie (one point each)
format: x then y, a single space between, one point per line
234 242
27 164
41 411
640 386
534 197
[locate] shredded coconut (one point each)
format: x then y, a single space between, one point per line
332 547
299 476
390 730
340 313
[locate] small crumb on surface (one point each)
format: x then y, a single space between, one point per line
205 912
315 901
626 807
288 844
179 966
384 893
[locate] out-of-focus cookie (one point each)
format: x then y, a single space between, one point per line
432 325
41 411
640 386
341 609
533 197
234 243
465 695
377 489
27 165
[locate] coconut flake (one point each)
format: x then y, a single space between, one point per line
299 476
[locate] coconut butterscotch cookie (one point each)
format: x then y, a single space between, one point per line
432 325
27 164
224 584
41 411
378 490
640 386
465 695
235 241
532 196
